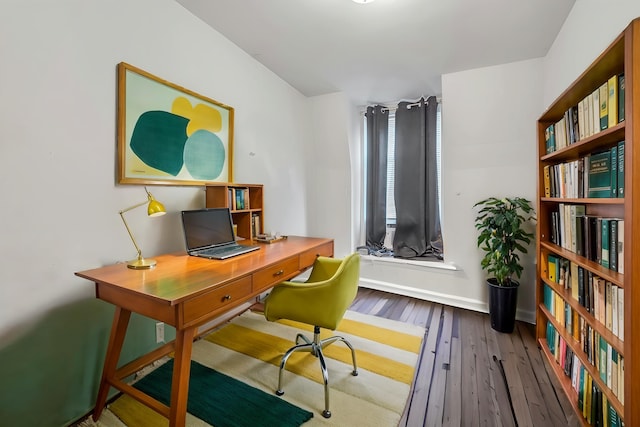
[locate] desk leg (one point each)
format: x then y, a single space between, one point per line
118 331
180 379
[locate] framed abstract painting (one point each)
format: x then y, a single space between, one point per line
170 135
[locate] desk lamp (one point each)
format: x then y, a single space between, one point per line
154 208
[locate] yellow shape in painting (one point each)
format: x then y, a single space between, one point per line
200 117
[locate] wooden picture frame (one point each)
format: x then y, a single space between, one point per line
169 135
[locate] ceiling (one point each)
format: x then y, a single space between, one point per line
386 50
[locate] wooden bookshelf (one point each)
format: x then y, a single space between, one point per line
621 57
246 202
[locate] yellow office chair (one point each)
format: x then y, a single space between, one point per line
321 301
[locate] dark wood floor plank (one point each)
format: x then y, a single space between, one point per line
417 413
469 414
435 405
406 313
396 309
488 408
534 360
537 406
496 375
514 382
452 416
421 313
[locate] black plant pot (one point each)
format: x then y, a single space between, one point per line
503 301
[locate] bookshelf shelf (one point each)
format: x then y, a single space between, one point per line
246 202
582 141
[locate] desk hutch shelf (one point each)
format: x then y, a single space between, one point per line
246 202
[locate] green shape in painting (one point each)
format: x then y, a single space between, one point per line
158 139
204 155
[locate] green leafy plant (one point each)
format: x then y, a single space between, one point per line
502 235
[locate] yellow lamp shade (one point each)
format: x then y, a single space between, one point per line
155 208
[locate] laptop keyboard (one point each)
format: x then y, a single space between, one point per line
226 250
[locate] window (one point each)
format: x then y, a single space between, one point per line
391 205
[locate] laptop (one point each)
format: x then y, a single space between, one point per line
209 234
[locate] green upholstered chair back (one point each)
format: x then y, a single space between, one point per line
323 299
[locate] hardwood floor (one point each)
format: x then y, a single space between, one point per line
469 374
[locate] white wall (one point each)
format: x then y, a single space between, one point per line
58 140
590 27
333 163
488 149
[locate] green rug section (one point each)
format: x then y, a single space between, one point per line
223 401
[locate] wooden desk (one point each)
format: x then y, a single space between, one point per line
186 292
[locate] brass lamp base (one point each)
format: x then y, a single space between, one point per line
141 264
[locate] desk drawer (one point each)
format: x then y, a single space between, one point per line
275 274
307 258
216 299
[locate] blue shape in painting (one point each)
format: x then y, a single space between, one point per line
159 139
204 155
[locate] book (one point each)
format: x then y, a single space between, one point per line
604 259
621 314
621 97
595 111
604 106
613 244
612 102
581 388
608 306
621 379
600 174
614 371
547 181
614 309
614 171
620 246
575 285
620 181
581 122
588 115
550 139
552 271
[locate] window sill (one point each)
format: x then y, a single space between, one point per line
441 265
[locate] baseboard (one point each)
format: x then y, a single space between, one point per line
446 299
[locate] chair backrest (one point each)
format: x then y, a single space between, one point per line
323 300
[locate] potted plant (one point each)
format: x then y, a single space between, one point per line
502 235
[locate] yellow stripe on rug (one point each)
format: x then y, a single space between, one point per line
270 348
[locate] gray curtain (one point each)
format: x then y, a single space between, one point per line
376 204
418 231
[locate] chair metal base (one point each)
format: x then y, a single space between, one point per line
315 347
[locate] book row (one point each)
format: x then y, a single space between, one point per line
597 175
592 402
239 199
600 110
604 357
591 342
601 298
599 239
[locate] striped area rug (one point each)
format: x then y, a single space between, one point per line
249 349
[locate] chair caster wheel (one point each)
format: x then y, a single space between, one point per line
279 392
354 373
326 413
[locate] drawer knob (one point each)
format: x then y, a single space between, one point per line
279 273
226 298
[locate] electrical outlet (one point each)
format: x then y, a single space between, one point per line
159 332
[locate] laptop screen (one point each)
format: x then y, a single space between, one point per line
207 227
